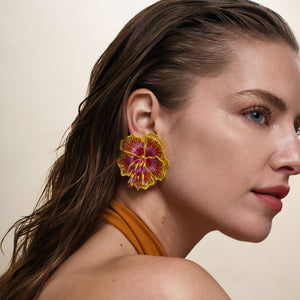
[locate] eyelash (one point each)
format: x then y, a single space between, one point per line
264 110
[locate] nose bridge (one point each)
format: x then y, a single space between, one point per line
287 154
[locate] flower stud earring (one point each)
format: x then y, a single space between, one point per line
143 160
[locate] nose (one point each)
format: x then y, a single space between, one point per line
286 158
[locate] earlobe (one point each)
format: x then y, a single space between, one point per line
141 111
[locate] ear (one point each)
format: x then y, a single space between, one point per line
142 111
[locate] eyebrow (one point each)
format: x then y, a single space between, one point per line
267 96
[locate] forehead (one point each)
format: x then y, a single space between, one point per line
261 58
265 65
272 67
273 64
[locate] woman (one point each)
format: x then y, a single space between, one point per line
185 130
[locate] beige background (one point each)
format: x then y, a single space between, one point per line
48 48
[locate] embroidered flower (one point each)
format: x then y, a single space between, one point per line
143 160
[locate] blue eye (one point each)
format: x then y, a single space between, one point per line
257 116
260 115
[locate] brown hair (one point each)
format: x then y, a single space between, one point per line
161 49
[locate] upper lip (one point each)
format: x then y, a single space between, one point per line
279 191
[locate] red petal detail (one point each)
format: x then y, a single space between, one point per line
148 178
125 161
153 148
134 145
156 167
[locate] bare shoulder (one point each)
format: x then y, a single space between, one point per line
163 278
177 278
139 277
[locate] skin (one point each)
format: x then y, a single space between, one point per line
223 145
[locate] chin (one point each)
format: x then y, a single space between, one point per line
254 234
254 238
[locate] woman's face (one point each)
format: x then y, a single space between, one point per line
234 146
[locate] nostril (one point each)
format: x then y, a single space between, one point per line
290 170
287 168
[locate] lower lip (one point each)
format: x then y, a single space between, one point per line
270 201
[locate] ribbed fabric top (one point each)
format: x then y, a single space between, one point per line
135 230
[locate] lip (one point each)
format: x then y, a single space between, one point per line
271 196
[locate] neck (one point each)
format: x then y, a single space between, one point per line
177 229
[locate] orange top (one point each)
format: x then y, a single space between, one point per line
140 236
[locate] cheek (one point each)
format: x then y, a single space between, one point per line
209 154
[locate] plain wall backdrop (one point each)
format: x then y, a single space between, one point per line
48 48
